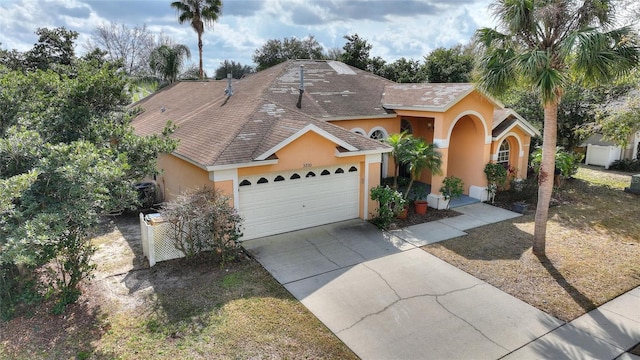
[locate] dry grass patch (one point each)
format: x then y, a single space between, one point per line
175 310
593 249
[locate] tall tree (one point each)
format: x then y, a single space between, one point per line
356 51
131 45
167 61
275 51
452 65
403 71
542 44
198 13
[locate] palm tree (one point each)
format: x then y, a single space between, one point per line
167 61
198 13
398 144
543 44
421 156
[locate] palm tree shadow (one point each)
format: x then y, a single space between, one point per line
575 294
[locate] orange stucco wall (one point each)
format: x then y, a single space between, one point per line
467 152
391 125
177 175
309 150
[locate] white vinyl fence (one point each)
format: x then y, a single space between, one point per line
157 244
602 155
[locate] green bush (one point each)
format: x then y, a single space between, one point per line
627 165
390 204
566 162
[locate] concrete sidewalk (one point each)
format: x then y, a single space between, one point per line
386 298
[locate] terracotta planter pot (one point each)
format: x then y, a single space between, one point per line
421 207
404 214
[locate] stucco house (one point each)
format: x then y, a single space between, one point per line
299 144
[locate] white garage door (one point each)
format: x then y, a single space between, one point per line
280 202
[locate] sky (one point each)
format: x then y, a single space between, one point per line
395 28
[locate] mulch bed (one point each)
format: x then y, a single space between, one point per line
414 219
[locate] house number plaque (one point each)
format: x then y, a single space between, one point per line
306 165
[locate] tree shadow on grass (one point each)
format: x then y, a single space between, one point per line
500 241
580 299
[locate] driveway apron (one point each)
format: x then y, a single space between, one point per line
385 298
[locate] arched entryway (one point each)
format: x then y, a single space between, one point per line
466 153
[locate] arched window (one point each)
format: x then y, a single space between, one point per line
503 153
325 172
352 169
294 177
359 131
339 171
245 183
310 174
263 181
278 178
378 135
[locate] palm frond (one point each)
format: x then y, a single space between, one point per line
601 56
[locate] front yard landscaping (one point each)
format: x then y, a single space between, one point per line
174 310
593 248
201 310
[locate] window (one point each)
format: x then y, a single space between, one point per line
325 172
263 181
310 174
339 171
294 177
353 169
278 178
378 135
245 183
503 154
405 125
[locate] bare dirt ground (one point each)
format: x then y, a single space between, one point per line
174 310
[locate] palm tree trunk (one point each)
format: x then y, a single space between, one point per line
545 177
200 73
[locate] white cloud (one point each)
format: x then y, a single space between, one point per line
395 28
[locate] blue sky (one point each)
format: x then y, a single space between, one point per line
395 28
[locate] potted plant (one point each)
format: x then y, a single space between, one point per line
519 207
452 187
420 200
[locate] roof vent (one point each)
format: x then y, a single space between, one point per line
229 90
301 88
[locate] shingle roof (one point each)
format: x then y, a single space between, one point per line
428 96
216 130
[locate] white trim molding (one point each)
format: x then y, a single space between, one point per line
226 175
476 114
386 133
306 129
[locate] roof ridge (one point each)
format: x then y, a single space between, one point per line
257 104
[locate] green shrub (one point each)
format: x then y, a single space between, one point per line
627 165
566 162
390 204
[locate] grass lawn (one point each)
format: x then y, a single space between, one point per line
593 248
174 310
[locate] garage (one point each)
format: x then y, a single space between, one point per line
280 202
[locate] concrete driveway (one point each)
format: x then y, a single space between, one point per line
386 298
